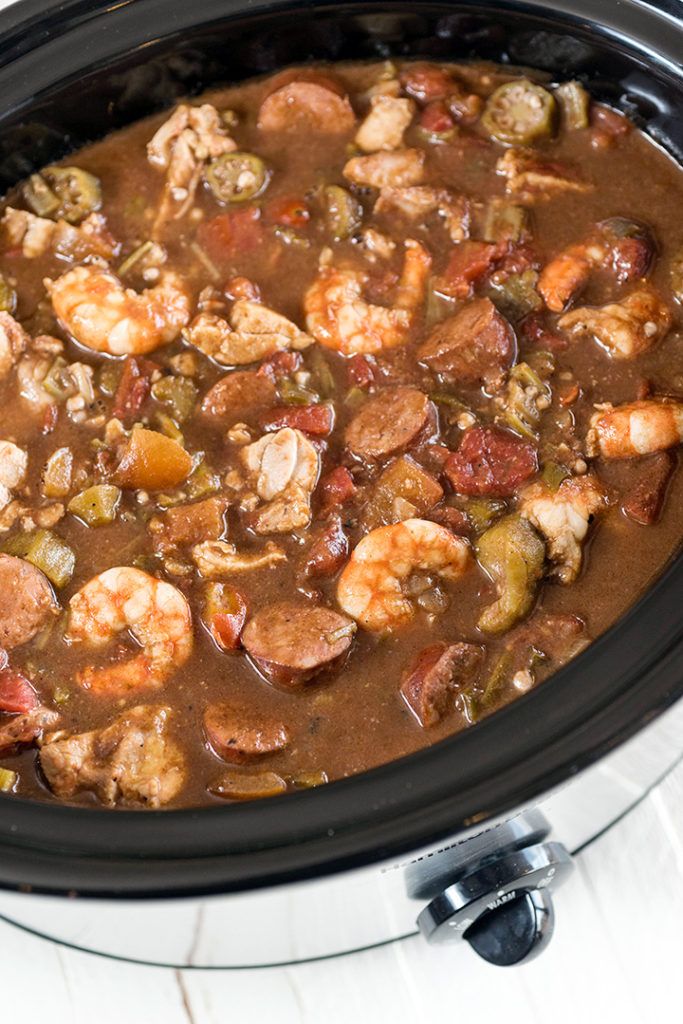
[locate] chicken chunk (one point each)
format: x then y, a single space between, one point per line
181 147
36 236
626 328
418 201
133 761
218 558
17 731
385 125
13 342
563 517
13 465
283 468
398 169
253 332
530 179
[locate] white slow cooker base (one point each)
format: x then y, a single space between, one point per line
338 914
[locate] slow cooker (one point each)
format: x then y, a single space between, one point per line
464 841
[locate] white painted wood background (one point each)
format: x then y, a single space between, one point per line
617 956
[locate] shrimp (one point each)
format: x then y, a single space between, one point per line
339 318
627 328
621 246
568 273
98 312
563 517
252 333
185 142
638 428
371 587
155 612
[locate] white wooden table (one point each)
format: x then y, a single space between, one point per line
617 955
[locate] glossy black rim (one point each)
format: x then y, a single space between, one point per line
607 694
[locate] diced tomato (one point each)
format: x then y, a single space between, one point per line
336 488
469 262
134 387
426 82
534 329
225 612
360 372
328 552
516 260
231 233
435 119
490 462
17 696
312 419
289 211
281 364
241 288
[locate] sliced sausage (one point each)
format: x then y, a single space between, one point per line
26 601
238 397
490 463
435 676
645 500
23 730
390 422
475 345
291 641
188 525
302 106
236 739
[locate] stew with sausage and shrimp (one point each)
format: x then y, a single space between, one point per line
340 409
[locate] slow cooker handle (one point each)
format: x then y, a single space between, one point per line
503 909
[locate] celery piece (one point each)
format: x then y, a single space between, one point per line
97 505
178 395
46 551
575 105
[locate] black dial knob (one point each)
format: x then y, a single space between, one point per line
503 907
516 931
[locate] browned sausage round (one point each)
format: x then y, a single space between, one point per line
475 344
307 106
26 601
238 397
390 422
236 739
291 641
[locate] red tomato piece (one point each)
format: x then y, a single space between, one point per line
17 696
312 419
435 119
231 233
225 612
360 372
490 463
281 364
468 263
289 211
336 488
134 387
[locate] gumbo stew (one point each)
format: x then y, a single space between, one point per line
339 409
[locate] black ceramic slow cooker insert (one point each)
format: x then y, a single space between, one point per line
71 72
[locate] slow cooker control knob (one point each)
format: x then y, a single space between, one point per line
503 907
